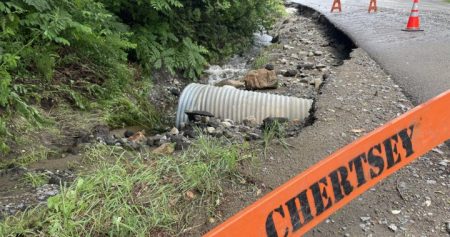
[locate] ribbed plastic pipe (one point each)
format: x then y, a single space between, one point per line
230 103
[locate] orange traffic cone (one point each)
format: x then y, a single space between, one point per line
414 22
373 6
336 5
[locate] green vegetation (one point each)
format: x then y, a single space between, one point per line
3 135
131 194
66 63
133 109
35 154
35 179
260 61
263 57
75 50
275 130
87 51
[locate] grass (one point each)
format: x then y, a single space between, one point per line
133 194
3 135
65 119
260 61
35 179
27 157
134 109
34 155
264 56
274 130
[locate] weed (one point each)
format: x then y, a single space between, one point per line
4 148
133 109
35 179
35 154
261 60
274 130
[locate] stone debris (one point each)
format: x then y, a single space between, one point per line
137 137
174 131
269 67
393 227
261 79
396 212
165 149
318 53
290 73
197 115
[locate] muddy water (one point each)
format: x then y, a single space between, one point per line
238 65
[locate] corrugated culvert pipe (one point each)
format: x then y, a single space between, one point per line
230 103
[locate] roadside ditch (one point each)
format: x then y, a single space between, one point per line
352 96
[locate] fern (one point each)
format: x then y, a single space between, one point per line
40 5
4 87
41 37
164 5
29 112
4 149
191 58
80 50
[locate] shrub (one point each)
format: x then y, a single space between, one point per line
184 35
45 44
80 50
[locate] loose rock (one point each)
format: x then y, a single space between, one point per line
128 133
165 149
317 83
210 130
290 73
197 115
174 131
306 66
261 79
318 53
250 121
393 227
270 67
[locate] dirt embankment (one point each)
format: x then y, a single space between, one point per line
357 98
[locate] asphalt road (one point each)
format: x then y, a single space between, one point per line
418 61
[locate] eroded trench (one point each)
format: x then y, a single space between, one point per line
306 43
304 51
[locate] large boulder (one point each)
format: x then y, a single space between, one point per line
261 79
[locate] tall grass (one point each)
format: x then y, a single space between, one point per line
275 130
129 194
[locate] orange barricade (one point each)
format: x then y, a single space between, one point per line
303 202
